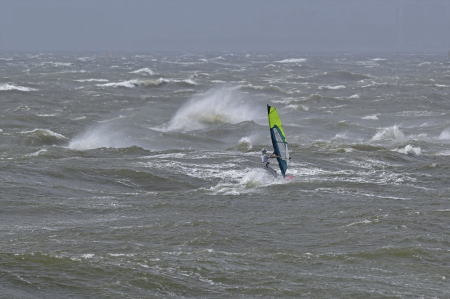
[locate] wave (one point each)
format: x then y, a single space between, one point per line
44 136
56 63
409 150
393 134
342 76
92 80
217 106
445 134
86 59
12 87
292 60
244 181
144 70
371 117
332 87
245 144
266 88
375 84
105 135
148 83
297 107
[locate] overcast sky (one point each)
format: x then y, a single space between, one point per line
236 25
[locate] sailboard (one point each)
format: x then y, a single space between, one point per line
279 142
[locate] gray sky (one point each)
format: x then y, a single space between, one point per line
211 25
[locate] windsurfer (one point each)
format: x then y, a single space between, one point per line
265 160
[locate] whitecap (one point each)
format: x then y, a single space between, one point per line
220 105
85 59
389 134
364 221
354 96
56 63
12 87
37 153
127 84
245 143
371 117
104 135
147 83
144 70
244 181
332 87
92 80
45 133
292 60
409 150
297 107
445 134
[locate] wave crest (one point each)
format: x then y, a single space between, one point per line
148 83
12 87
393 134
44 136
222 105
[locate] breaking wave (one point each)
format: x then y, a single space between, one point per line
245 144
220 105
91 80
371 117
267 88
12 87
392 134
409 150
56 64
331 87
292 60
342 76
44 136
148 83
445 135
144 70
102 136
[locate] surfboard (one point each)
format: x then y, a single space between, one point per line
279 142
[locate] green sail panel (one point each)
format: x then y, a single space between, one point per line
279 142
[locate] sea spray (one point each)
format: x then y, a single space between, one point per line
219 105
103 135
445 134
392 134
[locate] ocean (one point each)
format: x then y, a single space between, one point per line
138 175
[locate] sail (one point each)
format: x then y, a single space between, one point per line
279 142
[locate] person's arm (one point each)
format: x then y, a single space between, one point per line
274 156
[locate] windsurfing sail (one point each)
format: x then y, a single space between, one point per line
279 142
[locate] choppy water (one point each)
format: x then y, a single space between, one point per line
138 176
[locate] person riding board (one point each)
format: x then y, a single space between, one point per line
265 160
